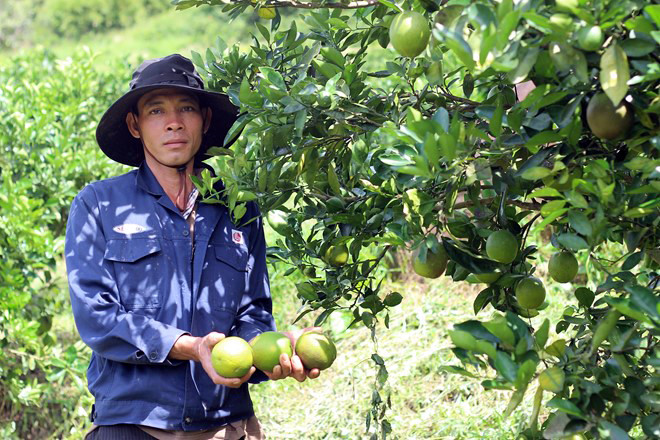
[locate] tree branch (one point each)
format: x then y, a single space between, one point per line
314 5
527 205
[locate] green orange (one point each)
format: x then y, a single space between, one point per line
267 348
590 38
563 267
316 350
435 264
410 33
607 121
530 293
232 357
336 255
502 246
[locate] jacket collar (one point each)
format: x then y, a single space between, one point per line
146 180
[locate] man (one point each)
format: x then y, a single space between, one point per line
157 277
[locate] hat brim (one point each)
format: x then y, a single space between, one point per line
118 144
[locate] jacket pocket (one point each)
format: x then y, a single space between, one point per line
139 270
233 256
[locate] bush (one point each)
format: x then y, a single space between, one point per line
73 18
48 113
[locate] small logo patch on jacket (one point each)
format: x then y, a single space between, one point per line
129 228
236 236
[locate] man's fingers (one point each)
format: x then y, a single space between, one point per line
213 338
313 373
297 369
285 365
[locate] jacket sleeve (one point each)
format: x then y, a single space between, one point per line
255 311
103 323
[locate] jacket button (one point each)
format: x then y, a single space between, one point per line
153 355
188 420
186 233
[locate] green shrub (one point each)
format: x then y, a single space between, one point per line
73 18
48 113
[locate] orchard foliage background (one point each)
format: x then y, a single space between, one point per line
440 151
345 143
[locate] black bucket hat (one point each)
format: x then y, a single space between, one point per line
174 71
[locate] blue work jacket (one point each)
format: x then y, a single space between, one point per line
138 281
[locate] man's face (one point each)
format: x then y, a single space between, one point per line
170 124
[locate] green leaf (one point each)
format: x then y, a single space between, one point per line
519 74
611 432
572 242
525 373
654 13
482 300
457 370
536 173
544 137
545 192
645 299
566 406
393 299
584 296
462 339
541 335
614 73
505 366
551 207
579 222
632 261
495 124
500 328
457 44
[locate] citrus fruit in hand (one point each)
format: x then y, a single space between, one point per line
552 379
590 38
267 13
605 120
267 348
530 293
316 350
502 246
434 265
336 255
232 357
563 267
410 33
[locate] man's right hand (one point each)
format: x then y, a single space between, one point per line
199 349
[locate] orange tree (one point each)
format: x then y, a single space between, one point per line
516 118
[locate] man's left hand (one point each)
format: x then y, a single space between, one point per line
293 366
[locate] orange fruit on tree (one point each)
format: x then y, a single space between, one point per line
530 293
607 121
502 246
410 33
435 263
563 266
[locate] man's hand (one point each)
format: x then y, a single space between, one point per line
199 349
293 366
